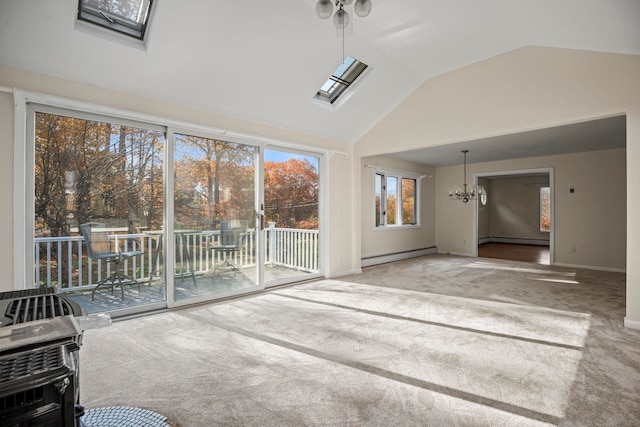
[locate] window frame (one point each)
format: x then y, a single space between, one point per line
107 20
381 212
342 83
540 208
23 160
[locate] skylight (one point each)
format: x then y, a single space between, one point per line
340 80
128 17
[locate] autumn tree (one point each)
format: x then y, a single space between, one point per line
89 170
214 181
408 201
291 193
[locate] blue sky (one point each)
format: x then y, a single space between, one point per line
183 149
281 156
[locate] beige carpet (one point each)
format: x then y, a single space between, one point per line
434 341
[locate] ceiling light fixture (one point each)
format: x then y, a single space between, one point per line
466 192
324 9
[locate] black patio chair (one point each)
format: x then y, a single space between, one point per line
233 236
100 246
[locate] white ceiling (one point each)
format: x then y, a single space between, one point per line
594 135
264 60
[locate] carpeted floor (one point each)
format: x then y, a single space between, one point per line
433 341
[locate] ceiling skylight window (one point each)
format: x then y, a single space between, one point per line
128 17
340 80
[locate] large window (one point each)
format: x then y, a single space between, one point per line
162 196
545 209
396 200
89 170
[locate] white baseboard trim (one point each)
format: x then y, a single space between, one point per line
457 253
591 267
631 324
344 273
516 241
383 259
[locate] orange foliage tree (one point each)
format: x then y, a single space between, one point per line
291 193
214 181
88 170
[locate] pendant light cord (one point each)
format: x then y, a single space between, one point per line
465 170
342 36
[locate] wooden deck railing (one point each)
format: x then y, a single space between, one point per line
63 261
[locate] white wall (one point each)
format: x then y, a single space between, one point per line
340 192
593 219
6 190
525 89
376 241
483 212
340 246
514 207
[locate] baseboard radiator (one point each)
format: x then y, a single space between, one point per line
397 256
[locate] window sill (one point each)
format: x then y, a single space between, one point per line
397 227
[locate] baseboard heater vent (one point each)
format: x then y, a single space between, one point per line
397 256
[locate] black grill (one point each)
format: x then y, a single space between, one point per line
19 401
39 345
31 363
30 308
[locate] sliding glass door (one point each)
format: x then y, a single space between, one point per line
186 218
214 209
106 173
291 212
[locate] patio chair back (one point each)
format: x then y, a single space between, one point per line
233 232
97 240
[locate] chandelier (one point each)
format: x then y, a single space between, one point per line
466 192
324 9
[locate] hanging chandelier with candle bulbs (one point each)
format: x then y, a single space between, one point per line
324 9
467 192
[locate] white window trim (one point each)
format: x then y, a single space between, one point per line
540 209
400 175
112 35
348 93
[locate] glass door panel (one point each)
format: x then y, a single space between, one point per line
215 241
291 198
109 174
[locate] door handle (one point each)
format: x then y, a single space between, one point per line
260 217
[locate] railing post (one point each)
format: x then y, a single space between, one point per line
271 238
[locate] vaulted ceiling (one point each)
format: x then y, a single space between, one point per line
264 60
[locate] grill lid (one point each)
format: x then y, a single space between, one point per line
35 304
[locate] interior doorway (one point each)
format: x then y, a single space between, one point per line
517 221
